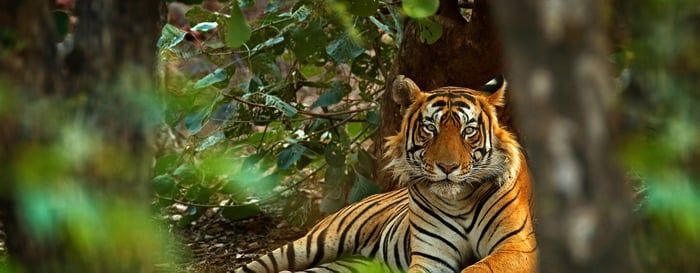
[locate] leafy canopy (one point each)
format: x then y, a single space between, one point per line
263 101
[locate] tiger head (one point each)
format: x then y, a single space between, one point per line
450 137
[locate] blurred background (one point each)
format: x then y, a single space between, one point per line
192 136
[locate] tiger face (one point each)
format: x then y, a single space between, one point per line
451 138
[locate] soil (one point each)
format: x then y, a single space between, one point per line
218 245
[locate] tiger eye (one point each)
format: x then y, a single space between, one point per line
469 131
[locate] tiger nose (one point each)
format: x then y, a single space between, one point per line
447 167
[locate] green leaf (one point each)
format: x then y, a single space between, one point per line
199 14
361 7
170 36
209 141
218 75
172 117
308 41
311 70
300 14
381 25
246 3
430 31
289 156
362 188
334 156
366 161
344 49
165 164
420 8
265 63
240 212
186 174
281 105
269 43
61 20
398 23
333 95
194 121
373 117
163 184
204 26
333 193
354 128
237 29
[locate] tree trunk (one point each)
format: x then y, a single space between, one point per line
468 54
73 135
558 61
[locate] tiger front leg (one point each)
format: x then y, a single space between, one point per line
510 252
505 261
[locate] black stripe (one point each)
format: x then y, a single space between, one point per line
397 252
411 125
414 149
488 224
431 212
398 196
463 111
434 258
440 103
494 205
348 227
436 236
407 249
326 268
367 240
273 260
246 269
390 233
290 256
348 266
498 224
508 236
460 104
308 243
489 192
450 96
320 242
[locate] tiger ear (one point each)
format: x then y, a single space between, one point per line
404 91
497 90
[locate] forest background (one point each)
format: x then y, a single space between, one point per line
125 124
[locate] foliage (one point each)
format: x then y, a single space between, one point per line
659 64
64 185
279 96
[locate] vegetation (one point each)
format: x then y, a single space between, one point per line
291 95
658 63
265 104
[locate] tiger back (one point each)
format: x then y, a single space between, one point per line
466 205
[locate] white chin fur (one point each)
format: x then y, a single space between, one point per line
446 189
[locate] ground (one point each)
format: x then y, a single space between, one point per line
214 244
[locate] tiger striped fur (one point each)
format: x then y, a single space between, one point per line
466 205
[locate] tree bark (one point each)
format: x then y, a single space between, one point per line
557 59
468 54
97 89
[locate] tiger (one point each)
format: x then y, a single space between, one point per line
464 205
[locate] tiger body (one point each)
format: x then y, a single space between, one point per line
466 205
